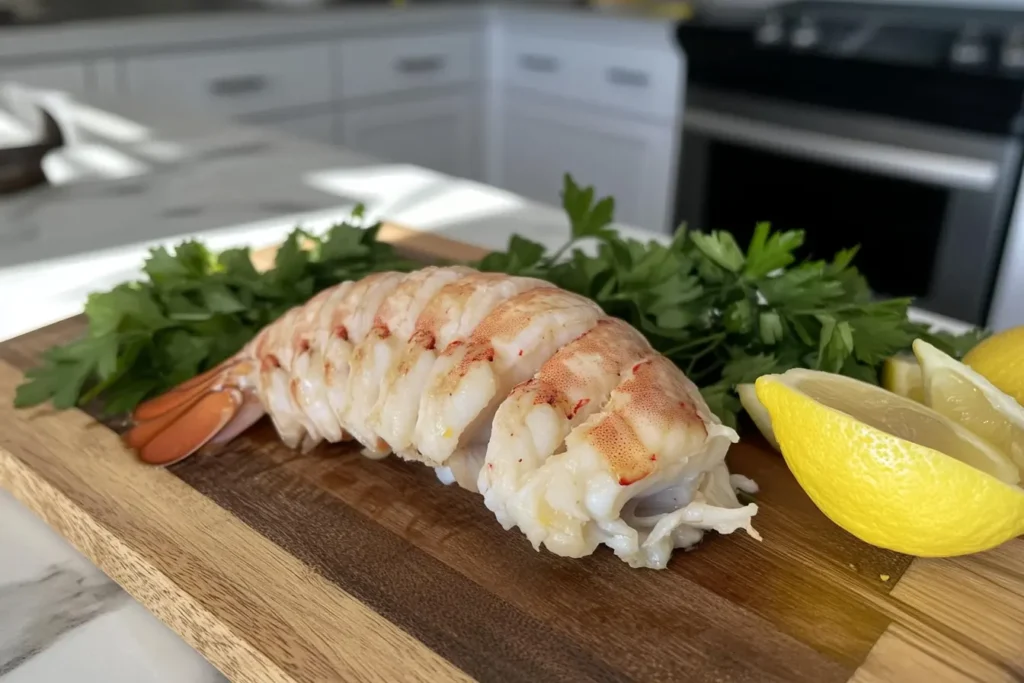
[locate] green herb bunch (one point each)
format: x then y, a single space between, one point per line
194 310
723 314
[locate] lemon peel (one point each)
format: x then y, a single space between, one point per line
1000 359
889 470
968 398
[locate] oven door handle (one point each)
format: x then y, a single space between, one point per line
947 170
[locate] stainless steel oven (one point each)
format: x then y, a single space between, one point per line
928 205
898 128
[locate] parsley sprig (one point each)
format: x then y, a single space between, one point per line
195 309
725 315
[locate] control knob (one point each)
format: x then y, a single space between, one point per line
969 48
770 32
805 34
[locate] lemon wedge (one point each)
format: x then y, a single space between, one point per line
901 375
965 396
889 470
757 412
1000 359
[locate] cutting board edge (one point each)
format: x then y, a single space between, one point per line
414 244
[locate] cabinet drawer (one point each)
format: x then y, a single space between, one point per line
541 64
69 77
237 82
643 81
389 65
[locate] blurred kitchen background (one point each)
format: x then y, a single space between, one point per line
893 126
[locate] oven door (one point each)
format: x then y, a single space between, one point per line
928 207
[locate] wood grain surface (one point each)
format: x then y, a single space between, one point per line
279 566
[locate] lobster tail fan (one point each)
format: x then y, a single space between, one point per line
168 439
183 394
210 409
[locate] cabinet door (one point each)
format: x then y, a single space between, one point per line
318 127
440 133
70 77
633 161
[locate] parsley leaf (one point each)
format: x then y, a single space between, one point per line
768 252
721 248
520 258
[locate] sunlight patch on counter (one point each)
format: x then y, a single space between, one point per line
13 133
410 195
106 124
104 161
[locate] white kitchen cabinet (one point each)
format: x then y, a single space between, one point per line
314 127
643 81
366 67
68 76
633 161
236 82
106 77
579 92
440 132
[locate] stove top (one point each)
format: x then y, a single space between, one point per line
986 41
958 67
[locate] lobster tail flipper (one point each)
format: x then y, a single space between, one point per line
188 431
183 394
210 409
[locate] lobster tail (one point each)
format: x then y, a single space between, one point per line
211 408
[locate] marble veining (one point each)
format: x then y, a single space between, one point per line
37 612
62 619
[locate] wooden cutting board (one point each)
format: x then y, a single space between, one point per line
328 566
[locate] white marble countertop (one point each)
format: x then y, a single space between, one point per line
61 619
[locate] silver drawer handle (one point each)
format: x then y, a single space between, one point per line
539 63
628 77
238 85
947 170
420 65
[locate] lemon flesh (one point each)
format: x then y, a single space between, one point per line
1000 359
966 397
757 412
902 375
889 470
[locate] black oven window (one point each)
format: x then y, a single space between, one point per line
895 222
